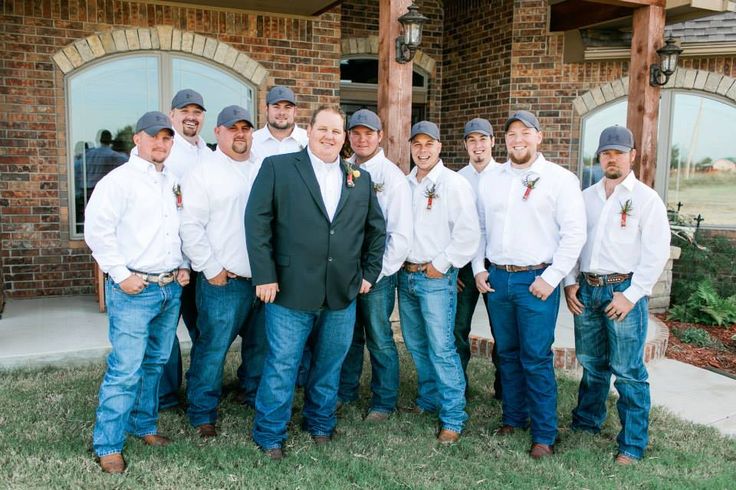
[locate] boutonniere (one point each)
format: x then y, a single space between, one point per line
177 194
530 183
377 187
626 209
431 194
352 174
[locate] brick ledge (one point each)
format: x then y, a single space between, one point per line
565 356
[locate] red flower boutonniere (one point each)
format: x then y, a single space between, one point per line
177 194
431 194
352 174
530 183
626 209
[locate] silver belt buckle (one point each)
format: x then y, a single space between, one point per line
165 278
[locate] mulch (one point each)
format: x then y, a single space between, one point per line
723 359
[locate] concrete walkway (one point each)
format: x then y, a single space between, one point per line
67 330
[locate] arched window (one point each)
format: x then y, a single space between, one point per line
696 159
106 99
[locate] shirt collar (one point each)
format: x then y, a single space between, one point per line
538 166
486 169
433 175
221 154
183 141
270 136
374 160
145 166
628 183
320 164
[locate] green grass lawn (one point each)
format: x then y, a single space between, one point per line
46 419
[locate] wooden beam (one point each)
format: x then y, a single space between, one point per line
643 102
632 3
394 85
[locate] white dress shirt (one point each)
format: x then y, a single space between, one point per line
548 227
184 156
448 233
329 177
394 198
265 145
213 214
132 221
641 247
473 176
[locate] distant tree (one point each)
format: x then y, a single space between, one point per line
675 157
123 141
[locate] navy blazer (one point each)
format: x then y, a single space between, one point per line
291 241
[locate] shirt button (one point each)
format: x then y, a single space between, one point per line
329 259
332 232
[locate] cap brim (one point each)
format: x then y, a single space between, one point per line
181 106
621 148
525 123
479 131
426 134
231 122
353 126
282 100
154 130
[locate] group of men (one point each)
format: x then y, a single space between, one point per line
302 253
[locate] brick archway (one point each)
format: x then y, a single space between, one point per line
704 81
369 45
159 38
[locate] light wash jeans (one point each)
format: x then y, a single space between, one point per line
142 330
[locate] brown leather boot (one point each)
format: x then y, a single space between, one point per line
112 463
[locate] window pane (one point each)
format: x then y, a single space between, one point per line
703 159
593 126
218 88
105 102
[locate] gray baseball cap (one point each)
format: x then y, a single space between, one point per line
153 122
478 125
524 117
186 97
232 114
280 93
425 127
367 118
615 138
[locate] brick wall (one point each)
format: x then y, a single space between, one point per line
476 70
360 19
38 256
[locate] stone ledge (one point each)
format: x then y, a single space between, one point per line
565 356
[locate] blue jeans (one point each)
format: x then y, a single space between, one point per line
606 347
142 329
373 328
287 331
253 352
525 330
222 312
171 378
427 310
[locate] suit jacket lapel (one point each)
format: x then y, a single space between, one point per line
304 166
344 189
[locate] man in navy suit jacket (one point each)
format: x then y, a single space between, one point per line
315 236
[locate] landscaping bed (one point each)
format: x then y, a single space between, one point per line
705 346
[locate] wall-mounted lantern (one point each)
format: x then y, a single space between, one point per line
659 74
408 43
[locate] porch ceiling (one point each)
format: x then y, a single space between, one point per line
300 8
575 14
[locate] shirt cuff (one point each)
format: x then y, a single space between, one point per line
570 279
119 273
211 269
441 263
552 277
479 266
634 293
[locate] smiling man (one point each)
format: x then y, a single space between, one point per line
628 245
532 229
213 237
446 236
315 237
132 228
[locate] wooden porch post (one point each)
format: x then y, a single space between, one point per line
643 103
394 85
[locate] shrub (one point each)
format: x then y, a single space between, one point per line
702 258
696 336
706 306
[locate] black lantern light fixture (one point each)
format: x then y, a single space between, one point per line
407 44
659 74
